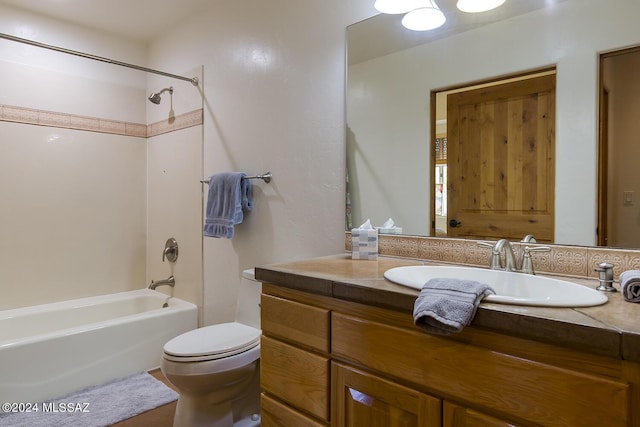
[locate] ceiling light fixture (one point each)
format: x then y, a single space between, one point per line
475 6
393 7
424 15
427 16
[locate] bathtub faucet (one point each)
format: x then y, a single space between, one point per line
171 281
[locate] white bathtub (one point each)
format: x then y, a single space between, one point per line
50 350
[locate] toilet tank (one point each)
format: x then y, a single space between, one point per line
248 306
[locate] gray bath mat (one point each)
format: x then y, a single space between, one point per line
96 406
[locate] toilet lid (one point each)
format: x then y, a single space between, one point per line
213 342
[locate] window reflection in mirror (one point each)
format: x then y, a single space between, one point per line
441 195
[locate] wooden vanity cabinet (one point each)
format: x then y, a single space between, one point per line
329 362
294 363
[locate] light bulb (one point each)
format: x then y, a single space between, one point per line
474 6
393 7
424 19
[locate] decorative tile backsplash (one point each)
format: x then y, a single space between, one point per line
31 116
577 261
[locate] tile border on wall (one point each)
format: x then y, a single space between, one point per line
182 121
31 116
576 261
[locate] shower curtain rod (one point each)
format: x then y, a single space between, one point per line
194 80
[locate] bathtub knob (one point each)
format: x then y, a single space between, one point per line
170 250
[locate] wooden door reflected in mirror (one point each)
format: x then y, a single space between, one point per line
500 144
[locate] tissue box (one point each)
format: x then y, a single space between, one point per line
364 244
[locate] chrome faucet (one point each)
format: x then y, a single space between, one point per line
171 281
510 262
528 239
509 256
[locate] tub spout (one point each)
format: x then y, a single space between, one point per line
171 281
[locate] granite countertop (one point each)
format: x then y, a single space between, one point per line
611 329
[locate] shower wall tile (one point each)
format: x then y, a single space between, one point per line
31 116
46 118
86 229
173 123
84 123
112 126
193 118
21 115
136 129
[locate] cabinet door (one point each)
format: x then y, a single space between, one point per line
361 399
297 377
459 416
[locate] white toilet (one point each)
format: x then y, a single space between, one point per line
216 369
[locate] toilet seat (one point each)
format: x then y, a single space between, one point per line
212 343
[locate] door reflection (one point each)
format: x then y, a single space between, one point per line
619 146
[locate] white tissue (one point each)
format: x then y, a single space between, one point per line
389 227
366 225
388 224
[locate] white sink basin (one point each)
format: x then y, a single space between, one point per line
510 288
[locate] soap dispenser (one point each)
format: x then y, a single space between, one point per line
605 276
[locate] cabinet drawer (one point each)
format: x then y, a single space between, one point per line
293 321
275 414
298 377
518 388
459 416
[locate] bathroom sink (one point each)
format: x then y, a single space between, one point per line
511 288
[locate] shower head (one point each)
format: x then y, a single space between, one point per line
155 96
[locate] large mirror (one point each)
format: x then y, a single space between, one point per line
393 72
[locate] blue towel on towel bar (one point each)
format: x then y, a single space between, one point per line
445 305
229 195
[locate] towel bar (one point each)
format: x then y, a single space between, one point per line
266 177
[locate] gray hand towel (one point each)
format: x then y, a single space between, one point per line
445 306
630 285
